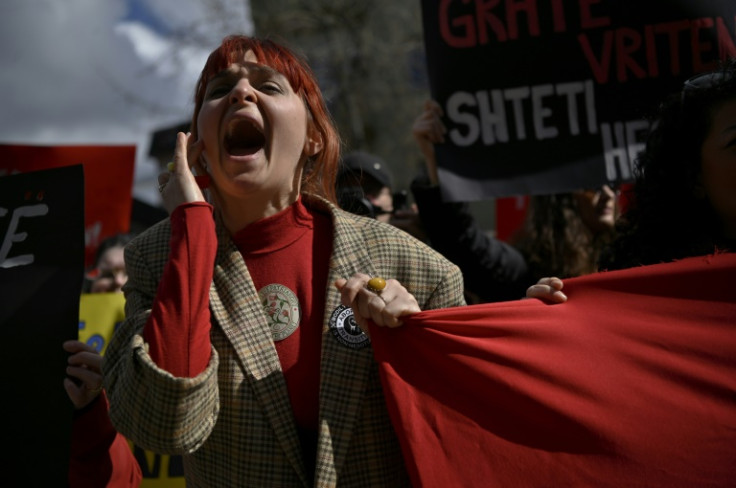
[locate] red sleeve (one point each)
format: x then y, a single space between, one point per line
100 456
178 329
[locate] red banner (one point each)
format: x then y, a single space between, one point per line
632 382
108 176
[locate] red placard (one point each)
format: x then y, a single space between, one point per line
108 177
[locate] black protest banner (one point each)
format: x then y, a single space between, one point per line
546 96
41 270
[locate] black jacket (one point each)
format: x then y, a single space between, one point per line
493 270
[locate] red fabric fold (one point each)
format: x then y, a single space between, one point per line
100 456
632 382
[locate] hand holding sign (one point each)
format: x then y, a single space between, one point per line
429 130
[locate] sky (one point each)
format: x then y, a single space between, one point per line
98 72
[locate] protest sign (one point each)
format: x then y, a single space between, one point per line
41 270
547 96
99 315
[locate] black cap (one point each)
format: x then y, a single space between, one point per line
362 163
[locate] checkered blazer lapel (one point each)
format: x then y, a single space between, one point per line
344 371
237 309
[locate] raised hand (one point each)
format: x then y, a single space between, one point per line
179 183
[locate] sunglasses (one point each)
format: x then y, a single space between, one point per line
705 80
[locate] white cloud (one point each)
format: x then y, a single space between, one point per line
106 72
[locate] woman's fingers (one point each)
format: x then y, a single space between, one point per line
177 183
383 307
85 362
548 290
84 365
428 127
399 302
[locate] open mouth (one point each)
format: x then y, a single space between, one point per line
243 138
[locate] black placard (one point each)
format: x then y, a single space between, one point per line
545 96
41 270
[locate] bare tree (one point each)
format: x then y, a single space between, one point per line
369 58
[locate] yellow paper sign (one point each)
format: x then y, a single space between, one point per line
99 315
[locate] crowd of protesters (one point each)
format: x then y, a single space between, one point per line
246 343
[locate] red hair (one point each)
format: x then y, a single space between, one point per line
321 170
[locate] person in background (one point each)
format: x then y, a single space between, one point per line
684 193
100 456
562 235
243 347
108 274
365 187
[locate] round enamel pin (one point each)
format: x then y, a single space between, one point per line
282 310
346 330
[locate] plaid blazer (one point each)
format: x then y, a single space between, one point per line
233 423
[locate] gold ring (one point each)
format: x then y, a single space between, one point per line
376 285
170 166
94 390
